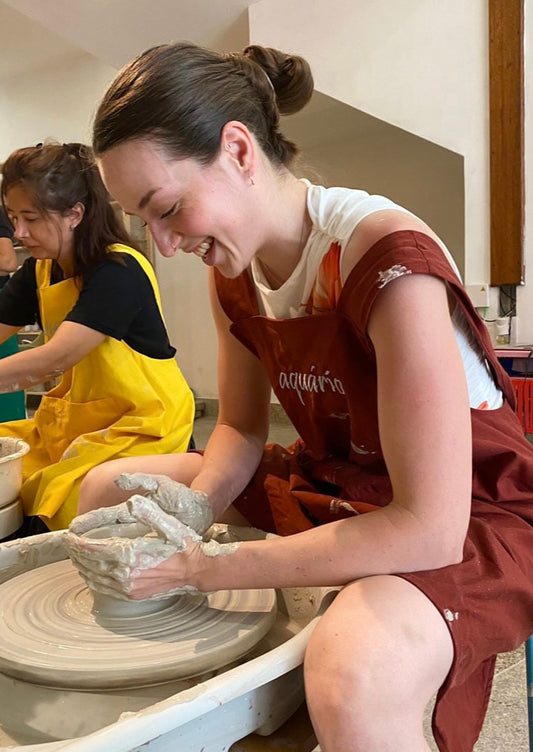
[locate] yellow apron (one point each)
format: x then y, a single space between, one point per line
113 403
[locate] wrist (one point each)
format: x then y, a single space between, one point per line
213 565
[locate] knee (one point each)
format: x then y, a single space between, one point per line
95 488
334 671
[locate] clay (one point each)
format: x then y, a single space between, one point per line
189 506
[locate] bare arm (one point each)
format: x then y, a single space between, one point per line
70 344
8 257
235 447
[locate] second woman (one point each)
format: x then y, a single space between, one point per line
121 392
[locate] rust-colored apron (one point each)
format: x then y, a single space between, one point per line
322 369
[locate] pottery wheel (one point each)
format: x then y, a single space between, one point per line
50 635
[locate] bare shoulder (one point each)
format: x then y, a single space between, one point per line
373 228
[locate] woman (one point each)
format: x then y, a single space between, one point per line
120 393
411 486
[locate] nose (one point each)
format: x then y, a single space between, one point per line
168 241
20 230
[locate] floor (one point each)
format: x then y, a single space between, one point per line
505 728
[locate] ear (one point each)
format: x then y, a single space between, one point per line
75 214
239 146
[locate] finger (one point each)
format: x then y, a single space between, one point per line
101 517
147 511
120 550
133 481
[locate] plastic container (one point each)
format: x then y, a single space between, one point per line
11 453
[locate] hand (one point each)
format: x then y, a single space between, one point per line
190 507
114 564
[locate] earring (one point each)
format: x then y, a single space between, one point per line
252 182
228 147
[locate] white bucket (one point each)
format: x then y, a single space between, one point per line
11 453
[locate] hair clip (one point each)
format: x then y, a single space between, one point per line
39 145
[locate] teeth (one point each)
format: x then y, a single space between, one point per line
203 248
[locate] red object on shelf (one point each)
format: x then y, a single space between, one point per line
523 389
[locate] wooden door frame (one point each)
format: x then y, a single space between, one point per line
507 178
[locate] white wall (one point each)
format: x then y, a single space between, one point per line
184 293
56 101
524 324
419 64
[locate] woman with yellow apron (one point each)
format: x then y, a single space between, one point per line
120 392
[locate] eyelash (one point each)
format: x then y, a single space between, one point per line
169 213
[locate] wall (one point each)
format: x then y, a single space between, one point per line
184 293
524 324
56 101
417 64
344 146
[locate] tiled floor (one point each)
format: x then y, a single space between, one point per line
505 728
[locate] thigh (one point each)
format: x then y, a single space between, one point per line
99 489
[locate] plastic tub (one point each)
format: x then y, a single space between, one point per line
11 453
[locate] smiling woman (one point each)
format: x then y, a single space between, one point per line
411 483
96 298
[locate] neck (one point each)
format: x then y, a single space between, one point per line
65 259
281 255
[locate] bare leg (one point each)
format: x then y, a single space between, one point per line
98 488
373 663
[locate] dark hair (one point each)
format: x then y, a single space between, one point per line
181 95
58 176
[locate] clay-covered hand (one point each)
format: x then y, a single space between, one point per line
190 507
112 564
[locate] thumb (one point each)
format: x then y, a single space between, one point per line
100 517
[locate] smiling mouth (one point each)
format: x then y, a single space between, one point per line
202 250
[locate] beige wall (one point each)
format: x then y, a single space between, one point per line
56 101
417 64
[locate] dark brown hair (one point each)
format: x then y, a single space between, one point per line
58 176
181 96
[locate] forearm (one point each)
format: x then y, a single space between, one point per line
8 257
229 462
387 541
24 369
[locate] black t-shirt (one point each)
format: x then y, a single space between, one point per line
115 299
6 231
